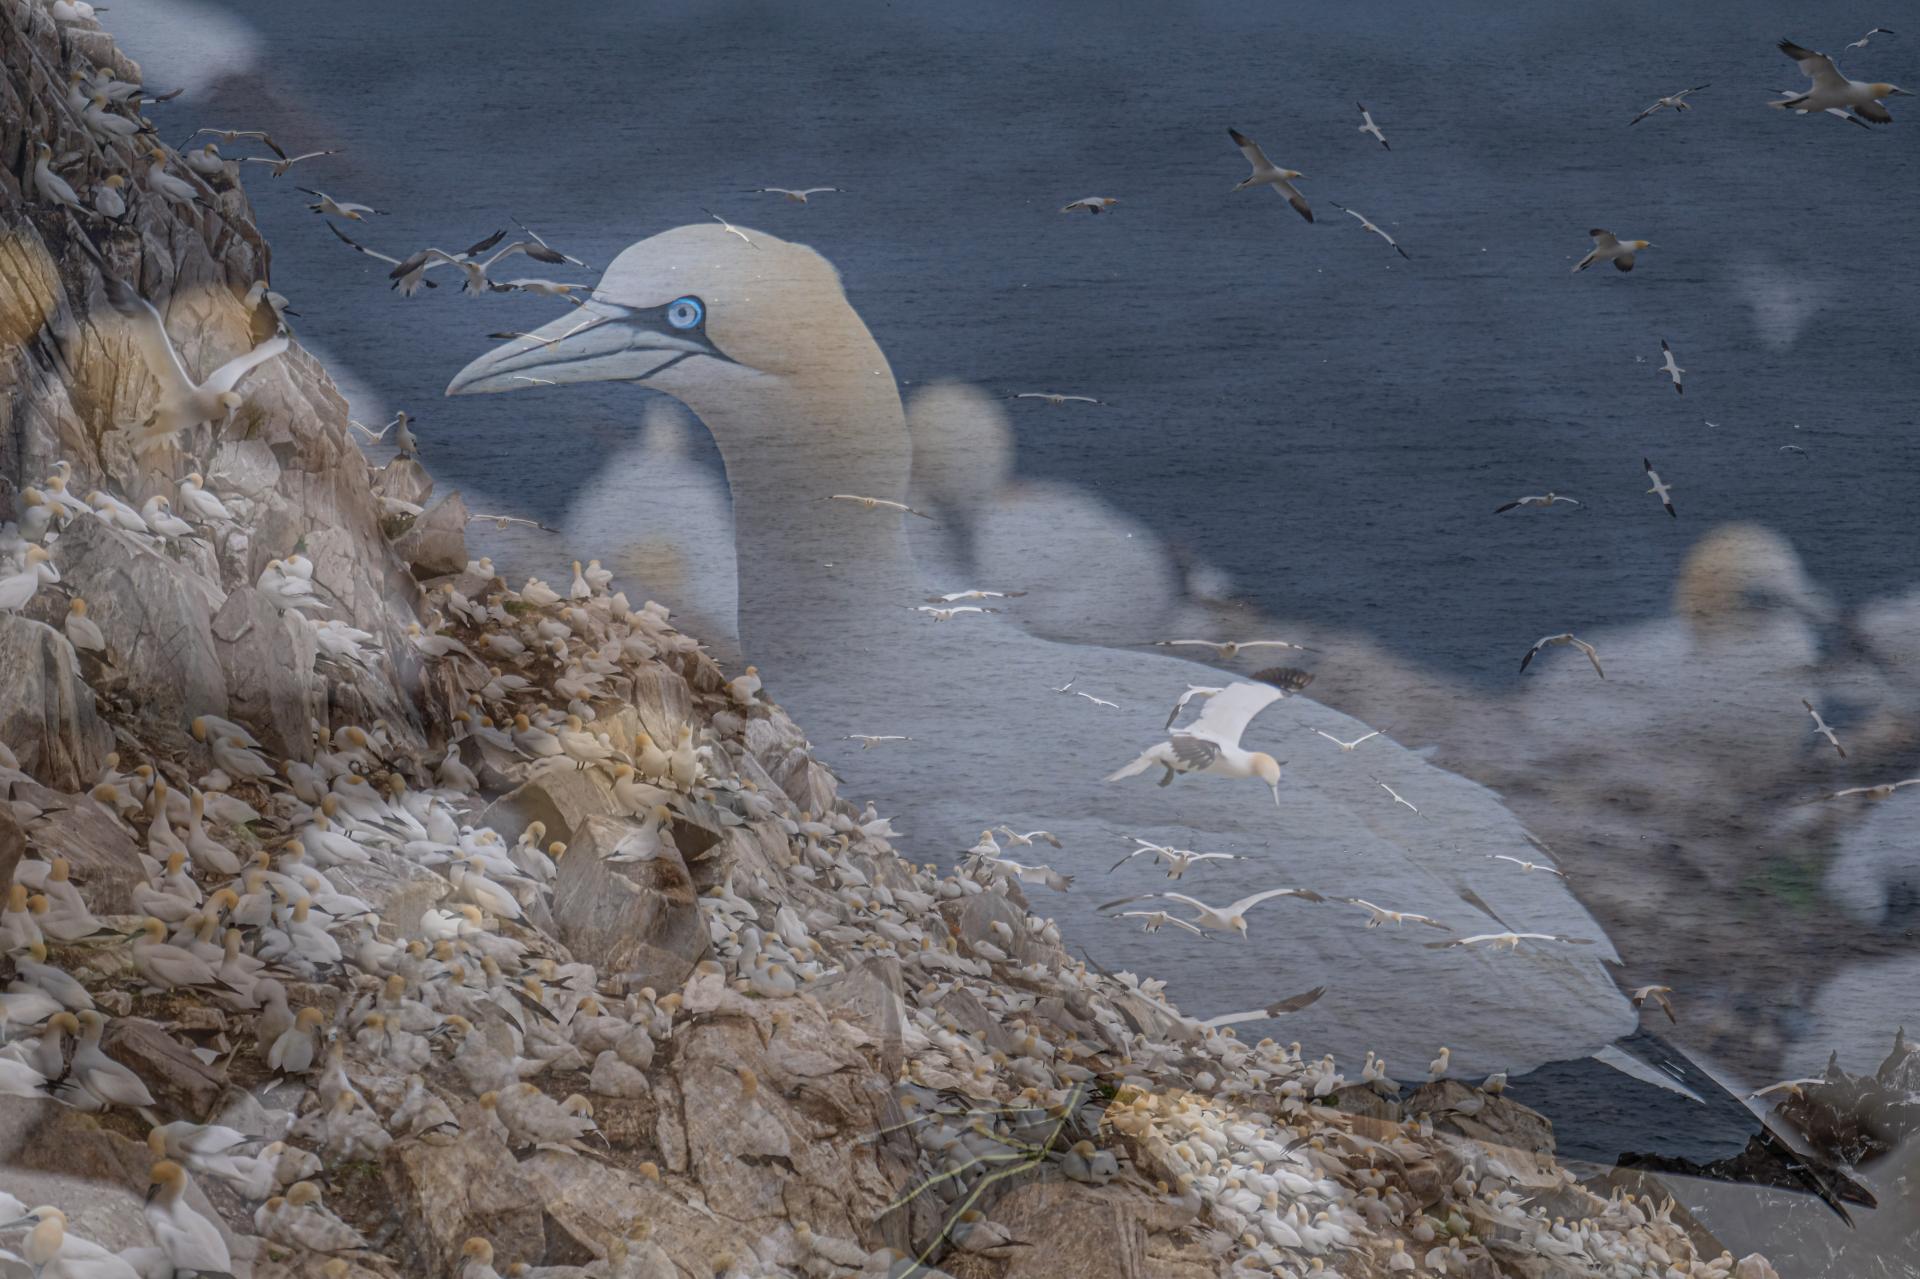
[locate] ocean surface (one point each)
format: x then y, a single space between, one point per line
1328 423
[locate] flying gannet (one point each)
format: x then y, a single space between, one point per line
1365 225
1526 865
1345 747
1671 368
1661 489
1091 203
1055 399
1675 101
958 597
793 196
1378 915
285 162
1538 499
1266 173
1227 650
870 740
1368 127
730 228
1398 798
1221 919
1861 43
326 204
1825 730
1609 248
1658 994
1565 637
408 284
1211 744
1884 790
939 614
875 504
1178 859
1507 941
1831 91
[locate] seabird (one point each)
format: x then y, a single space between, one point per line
1346 746
793 196
231 136
1227 650
1831 91
1526 865
730 228
1158 919
1537 499
1266 173
1378 915
340 208
1221 919
1861 43
1609 248
1178 859
1097 701
1055 399
286 162
1662 489
948 614
1825 730
1367 126
1884 790
1211 744
1658 994
1193 691
1677 101
1671 368
1365 225
870 740
957 597
1398 798
475 269
408 284
1091 203
1507 941
876 504
1564 637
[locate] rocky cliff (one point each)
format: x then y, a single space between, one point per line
371 917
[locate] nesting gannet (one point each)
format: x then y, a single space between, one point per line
793 196
1671 368
1609 248
1658 994
1054 398
1231 918
1091 203
52 185
1674 101
1367 126
1378 915
1211 744
1366 225
1548 498
870 740
1861 43
1227 650
1662 490
326 204
408 284
1564 637
1820 726
1398 798
1266 173
285 162
1346 746
183 403
1831 91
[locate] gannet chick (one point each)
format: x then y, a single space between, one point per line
1659 995
1092 204
339 208
1565 637
1674 101
1831 91
1672 369
1820 726
192 1243
1660 489
1266 173
793 196
1222 919
1548 498
1608 248
1367 126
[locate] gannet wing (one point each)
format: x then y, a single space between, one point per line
1194 752
1604 239
1875 112
361 248
1300 205
1250 149
1245 904
1288 679
150 335
1817 67
1280 1008
228 375
1592 656
1227 714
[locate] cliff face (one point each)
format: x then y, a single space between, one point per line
532 939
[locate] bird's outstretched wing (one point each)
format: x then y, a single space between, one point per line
228 375
1280 1008
1228 713
1817 67
1249 148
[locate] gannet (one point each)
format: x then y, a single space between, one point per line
1526 865
1367 126
731 229
793 196
285 162
190 1240
1266 173
1398 798
870 740
875 504
1227 650
408 284
1539 499
474 268
1158 919
1091 203
1660 489
1675 101
1211 744
1658 994
52 185
1883 790
1831 91
1378 915
1820 726
1565 637
1346 746
1054 398
948 614
1671 368
1507 941
1365 225
1608 248
1231 918
339 208
231 136
1861 43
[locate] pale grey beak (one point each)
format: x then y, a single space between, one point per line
596 342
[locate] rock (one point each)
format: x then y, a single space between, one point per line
868 998
593 1203
105 860
13 844
639 920
444 1194
563 798
436 543
1497 1121
47 713
663 702
406 480
1076 1232
267 658
156 619
178 1080
1754 1266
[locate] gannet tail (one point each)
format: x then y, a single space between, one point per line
1147 759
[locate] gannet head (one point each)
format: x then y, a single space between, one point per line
1737 574
1889 91
1267 769
231 402
1643 244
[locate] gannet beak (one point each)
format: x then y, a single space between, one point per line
596 342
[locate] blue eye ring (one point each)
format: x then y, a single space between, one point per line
686 313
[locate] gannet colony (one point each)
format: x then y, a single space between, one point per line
366 915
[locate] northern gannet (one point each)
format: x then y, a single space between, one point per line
1861 43
1158 919
948 614
870 740
1609 248
1565 637
1266 173
1091 203
875 504
1227 650
731 229
1343 745
50 184
1054 398
1366 225
408 284
1398 798
1659 995
1097 701
1378 915
1883 790
285 162
1526 865
1367 126
340 208
1507 941
1675 101
1231 918
1672 368
1178 859
1211 744
231 136
793 196
1831 91
1661 489
1538 499
957 597
470 264
1820 726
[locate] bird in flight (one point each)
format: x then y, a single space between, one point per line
340 208
1266 173
1347 746
730 228
1054 398
1675 101
285 162
1608 247
1379 915
1861 43
1507 941
956 597
1097 701
1823 728
1538 499
1526 865
1564 637
1177 859
876 504
1025 839
1226 650
1671 368
1211 744
1365 225
1658 994
1398 798
793 196
1884 790
1368 127
870 740
1830 91
1092 204
1158 919
1222 919
1663 489
948 614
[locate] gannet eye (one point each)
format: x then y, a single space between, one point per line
685 313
